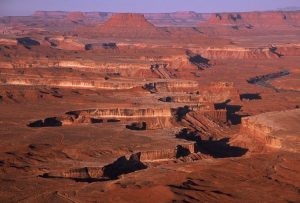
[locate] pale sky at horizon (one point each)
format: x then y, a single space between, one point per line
28 7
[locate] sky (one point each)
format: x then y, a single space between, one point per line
28 7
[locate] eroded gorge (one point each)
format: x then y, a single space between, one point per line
121 107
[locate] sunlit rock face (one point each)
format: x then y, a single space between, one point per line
253 19
164 107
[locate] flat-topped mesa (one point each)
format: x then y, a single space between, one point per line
78 83
184 18
255 19
128 25
241 53
122 165
125 112
127 164
75 16
128 20
151 118
214 93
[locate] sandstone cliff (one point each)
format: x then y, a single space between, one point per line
256 19
273 129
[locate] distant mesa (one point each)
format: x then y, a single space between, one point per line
75 16
253 19
125 25
128 20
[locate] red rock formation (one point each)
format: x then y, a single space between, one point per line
6 41
204 123
185 18
255 19
128 25
128 20
273 129
75 16
220 91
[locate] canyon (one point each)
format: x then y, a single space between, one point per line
154 107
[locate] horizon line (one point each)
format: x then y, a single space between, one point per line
179 11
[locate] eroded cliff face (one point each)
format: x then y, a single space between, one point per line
260 19
187 18
127 25
192 92
124 113
122 165
273 129
153 118
240 53
172 86
260 132
220 92
110 85
207 124
128 164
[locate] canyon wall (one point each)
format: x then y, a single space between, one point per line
110 85
259 132
273 129
238 53
220 92
256 19
172 86
206 123
125 113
